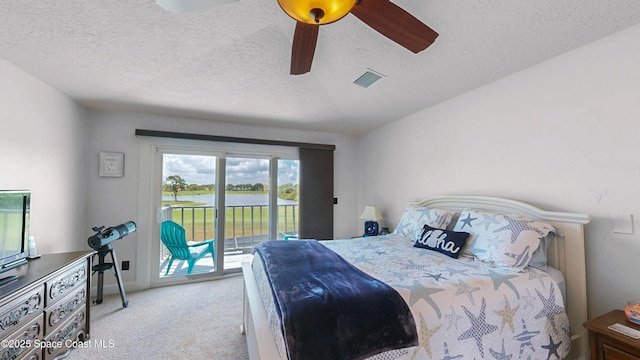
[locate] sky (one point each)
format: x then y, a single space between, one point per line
196 169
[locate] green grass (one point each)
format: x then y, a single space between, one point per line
260 226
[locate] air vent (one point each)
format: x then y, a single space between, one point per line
368 78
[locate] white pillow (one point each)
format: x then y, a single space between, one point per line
501 239
415 218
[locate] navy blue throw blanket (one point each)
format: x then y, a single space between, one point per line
328 308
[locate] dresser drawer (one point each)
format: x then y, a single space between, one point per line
66 334
61 285
56 314
611 353
23 341
35 354
22 308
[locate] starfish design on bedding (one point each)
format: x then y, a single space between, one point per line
521 259
529 300
449 357
401 227
479 327
525 338
413 266
550 309
420 292
552 347
453 271
488 220
499 279
463 288
495 242
472 245
424 336
467 221
362 258
507 314
436 277
500 355
453 319
534 274
429 216
516 227
400 275
438 260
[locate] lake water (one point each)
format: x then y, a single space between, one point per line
232 199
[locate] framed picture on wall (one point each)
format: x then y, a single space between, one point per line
111 164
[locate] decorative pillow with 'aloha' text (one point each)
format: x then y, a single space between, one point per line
447 242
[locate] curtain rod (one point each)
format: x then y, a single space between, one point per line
177 135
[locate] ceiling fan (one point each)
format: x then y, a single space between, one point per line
382 15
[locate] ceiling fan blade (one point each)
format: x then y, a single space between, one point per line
395 23
304 46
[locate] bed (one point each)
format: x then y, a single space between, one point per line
467 306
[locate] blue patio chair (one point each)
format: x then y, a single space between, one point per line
173 237
290 236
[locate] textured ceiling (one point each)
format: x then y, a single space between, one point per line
230 62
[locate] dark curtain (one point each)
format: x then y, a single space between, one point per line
316 194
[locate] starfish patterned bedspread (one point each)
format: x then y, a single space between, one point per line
325 304
464 309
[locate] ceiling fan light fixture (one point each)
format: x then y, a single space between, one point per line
317 12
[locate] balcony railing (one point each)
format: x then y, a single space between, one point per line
245 225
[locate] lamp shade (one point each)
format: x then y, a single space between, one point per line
371 213
317 12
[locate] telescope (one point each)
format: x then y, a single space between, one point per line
101 242
104 236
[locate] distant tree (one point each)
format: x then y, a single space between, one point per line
175 183
288 192
196 187
247 187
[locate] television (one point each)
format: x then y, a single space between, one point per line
15 206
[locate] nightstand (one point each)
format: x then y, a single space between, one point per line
605 344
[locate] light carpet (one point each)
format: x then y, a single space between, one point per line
192 321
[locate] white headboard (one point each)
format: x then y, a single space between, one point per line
565 254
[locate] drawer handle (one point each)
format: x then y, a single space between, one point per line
67 282
21 311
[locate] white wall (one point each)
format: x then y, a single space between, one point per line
112 201
42 149
563 135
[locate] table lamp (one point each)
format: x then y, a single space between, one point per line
371 215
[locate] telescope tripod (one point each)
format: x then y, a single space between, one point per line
113 267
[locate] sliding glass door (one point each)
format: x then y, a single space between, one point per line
224 203
188 204
247 208
288 198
